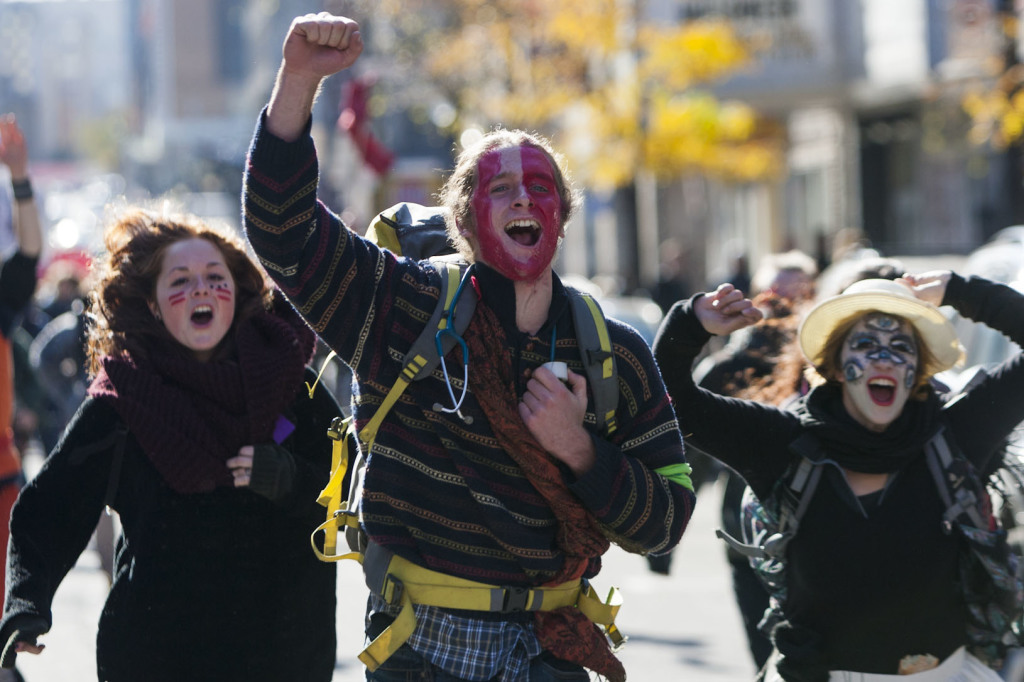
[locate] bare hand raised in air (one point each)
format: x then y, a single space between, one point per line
726 310
319 45
930 287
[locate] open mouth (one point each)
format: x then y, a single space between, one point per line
202 315
882 390
524 232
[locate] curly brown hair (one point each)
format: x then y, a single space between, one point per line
457 194
121 321
778 347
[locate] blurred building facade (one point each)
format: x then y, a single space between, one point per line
63 64
867 94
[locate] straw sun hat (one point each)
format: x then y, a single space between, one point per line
886 296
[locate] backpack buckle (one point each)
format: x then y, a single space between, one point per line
392 590
516 599
337 429
775 546
346 518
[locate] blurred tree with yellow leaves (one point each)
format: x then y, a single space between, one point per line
995 104
997 113
617 94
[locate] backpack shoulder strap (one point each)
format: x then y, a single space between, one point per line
957 498
796 496
423 355
598 359
791 495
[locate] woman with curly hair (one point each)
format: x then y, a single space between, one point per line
198 430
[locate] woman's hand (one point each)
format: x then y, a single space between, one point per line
25 630
241 466
274 466
930 286
726 310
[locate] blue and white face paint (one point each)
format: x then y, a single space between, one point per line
879 361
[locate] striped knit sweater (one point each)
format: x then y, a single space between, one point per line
440 491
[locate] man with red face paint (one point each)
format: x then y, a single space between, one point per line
512 491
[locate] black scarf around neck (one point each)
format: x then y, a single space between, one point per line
856 448
190 416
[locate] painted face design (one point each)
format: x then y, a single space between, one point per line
518 212
195 295
879 363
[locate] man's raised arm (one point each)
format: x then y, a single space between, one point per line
317 46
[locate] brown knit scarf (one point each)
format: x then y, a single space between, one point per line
565 632
190 416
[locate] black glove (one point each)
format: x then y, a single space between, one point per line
273 471
23 628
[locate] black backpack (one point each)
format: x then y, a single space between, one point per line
990 573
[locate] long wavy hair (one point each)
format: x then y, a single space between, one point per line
457 194
777 347
121 321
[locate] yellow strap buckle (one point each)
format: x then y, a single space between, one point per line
603 612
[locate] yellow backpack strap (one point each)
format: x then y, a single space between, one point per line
419 362
333 496
598 359
402 583
323 368
368 434
603 612
422 357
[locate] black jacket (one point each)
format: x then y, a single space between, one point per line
218 586
867 583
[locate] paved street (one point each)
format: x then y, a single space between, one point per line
681 627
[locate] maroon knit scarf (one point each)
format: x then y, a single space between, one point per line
565 632
190 416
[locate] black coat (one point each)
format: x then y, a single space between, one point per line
209 586
871 579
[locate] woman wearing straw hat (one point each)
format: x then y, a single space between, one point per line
871 576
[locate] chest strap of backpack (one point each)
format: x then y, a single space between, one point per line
795 498
962 500
402 583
